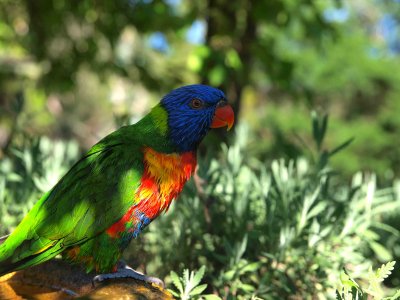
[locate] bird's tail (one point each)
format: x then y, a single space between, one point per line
5 259
16 255
24 248
3 238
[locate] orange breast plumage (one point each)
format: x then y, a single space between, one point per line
163 179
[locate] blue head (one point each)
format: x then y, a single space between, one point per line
192 111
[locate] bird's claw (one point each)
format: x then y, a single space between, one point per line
155 280
100 278
128 272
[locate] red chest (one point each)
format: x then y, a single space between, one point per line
163 179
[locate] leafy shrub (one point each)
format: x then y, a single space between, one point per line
273 231
189 286
31 170
350 290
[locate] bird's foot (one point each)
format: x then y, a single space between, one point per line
125 271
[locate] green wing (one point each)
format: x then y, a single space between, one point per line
93 195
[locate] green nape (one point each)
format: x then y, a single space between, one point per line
153 130
160 119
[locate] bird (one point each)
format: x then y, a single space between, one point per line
119 187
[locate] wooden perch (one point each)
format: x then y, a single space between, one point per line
57 279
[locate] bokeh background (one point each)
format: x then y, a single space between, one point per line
280 214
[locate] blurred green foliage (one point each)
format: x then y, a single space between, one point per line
350 290
189 286
28 173
268 230
274 231
274 220
82 65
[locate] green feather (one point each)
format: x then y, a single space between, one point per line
93 195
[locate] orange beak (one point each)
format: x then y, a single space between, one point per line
223 116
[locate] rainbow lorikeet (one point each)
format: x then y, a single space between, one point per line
119 187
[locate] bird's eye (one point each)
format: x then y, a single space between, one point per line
196 103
